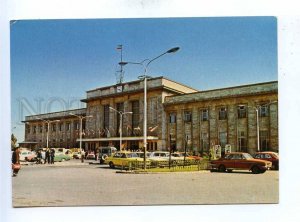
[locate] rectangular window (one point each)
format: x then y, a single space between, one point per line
204 143
76 125
40 128
120 108
60 126
106 117
34 129
223 139
27 128
53 127
173 118
68 126
135 113
264 111
241 112
187 116
222 113
152 113
242 141
264 140
204 115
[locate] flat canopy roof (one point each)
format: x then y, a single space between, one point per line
118 138
28 142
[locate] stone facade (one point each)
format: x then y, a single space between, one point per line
232 118
177 116
63 129
102 127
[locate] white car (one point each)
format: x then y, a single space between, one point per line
159 155
26 155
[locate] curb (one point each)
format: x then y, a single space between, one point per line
141 172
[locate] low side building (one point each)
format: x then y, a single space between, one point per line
235 116
59 129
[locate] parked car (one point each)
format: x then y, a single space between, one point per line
159 155
90 156
27 155
105 152
141 154
269 156
61 157
240 161
76 155
122 159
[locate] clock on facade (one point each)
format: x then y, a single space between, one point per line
119 88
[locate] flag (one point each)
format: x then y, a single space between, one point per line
153 128
119 47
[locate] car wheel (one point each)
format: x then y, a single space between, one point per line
222 168
63 160
229 171
262 171
255 170
111 165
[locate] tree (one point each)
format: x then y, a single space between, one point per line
13 141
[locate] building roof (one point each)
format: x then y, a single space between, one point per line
242 90
157 83
138 81
55 115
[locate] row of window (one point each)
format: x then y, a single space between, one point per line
53 127
242 140
241 113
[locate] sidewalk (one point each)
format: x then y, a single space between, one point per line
65 163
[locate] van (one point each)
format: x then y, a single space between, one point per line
105 152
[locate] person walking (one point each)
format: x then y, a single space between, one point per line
47 156
16 161
82 156
52 155
39 157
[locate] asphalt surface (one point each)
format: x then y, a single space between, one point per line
75 184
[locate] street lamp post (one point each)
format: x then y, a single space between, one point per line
80 130
145 77
48 128
121 123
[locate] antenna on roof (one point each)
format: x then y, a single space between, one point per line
120 73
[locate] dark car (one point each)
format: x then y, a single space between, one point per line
240 161
269 156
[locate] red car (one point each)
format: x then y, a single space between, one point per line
240 161
269 156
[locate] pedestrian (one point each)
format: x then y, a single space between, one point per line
85 154
52 155
82 155
15 159
96 154
39 157
47 156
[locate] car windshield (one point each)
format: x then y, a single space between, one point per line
247 156
132 155
142 155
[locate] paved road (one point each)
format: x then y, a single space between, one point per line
73 183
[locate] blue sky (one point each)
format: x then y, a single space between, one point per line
56 61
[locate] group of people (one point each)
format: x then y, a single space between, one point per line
49 156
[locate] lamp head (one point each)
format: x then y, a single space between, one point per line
123 63
175 49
